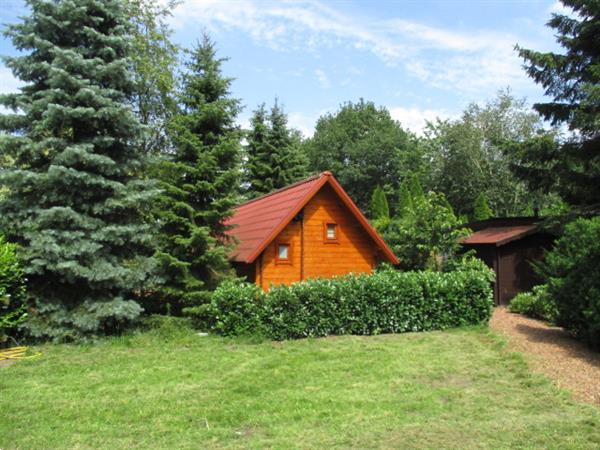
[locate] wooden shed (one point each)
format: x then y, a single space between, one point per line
306 230
508 246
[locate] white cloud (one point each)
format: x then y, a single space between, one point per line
322 79
443 58
558 8
415 119
8 83
302 122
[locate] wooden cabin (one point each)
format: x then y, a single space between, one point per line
509 246
309 229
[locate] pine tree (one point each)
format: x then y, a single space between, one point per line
259 167
481 210
200 182
379 204
571 167
405 202
73 204
275 155
416 191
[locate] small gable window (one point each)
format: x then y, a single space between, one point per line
330 232
283 253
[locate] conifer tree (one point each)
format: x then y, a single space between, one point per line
72 202
200 182
481 210
259 167
379 204
275 155
405 203
571 166
416 191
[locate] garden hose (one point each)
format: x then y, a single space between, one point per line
17 353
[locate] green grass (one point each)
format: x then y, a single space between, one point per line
456 389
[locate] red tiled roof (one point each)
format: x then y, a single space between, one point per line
499 235
257 222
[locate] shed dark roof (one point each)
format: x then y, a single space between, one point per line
257 222
499 235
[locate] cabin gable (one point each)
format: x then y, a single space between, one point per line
314 253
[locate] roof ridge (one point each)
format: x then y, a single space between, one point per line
285 188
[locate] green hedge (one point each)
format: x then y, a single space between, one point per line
537 304
384 302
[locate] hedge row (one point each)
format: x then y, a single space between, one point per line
384 302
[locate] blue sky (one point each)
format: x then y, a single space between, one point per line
420 59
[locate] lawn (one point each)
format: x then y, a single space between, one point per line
165 389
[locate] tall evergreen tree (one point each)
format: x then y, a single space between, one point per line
259 170
481 210
200 181
73 204
571 166
379 204
405 202
416 190
275 154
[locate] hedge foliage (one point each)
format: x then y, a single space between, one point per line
385 302
537 304
572 274
12 291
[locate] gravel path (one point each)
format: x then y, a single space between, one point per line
550 350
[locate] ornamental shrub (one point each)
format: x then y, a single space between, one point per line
383 302
12 291
537 304
572 274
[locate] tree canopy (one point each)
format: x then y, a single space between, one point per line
200 182
73 201
363 146
571 165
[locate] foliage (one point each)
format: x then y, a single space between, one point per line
380 210
384 302
237 309
481 210
275 156
468 157
425 235
199 183
12 291
572 166
154 58
74 204
405 203
363 146
572 275
537 304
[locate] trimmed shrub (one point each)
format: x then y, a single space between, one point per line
537 304
384 302
572 274
236 309
12 291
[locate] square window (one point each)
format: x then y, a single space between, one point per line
331 232
283 251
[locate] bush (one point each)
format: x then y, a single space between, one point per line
537 304
425 233
572 274
12 291
384 302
